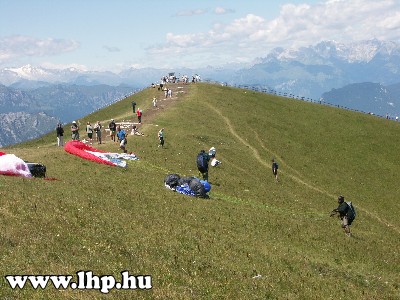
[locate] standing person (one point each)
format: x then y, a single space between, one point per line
113 127
122 144
97 129
154 102
346 214
89 130
212 153
275 169
139 115
161 137
75 131
202 164
60 135
121 133
133 106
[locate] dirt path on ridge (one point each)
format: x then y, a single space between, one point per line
179 93
295 178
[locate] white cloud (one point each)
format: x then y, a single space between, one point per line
18 46
297 25
221 10
193 12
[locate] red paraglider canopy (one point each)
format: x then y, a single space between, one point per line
80 149
103 157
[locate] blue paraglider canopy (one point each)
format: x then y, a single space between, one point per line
191 186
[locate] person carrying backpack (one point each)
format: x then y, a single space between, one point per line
75 131
346 213
202 164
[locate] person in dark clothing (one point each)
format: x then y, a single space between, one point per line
202 164
113 128
275 169
60 135
342 211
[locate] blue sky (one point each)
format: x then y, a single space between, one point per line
115 35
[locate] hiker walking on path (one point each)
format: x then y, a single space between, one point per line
161 137
275 169
60 135
97 129
202 164
75 131
113 128
346 213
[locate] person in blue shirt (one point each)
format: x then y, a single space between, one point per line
121 134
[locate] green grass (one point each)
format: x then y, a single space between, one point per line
108 219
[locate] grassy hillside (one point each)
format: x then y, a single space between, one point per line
109 219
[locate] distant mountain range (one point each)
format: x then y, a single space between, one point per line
21 126
372 97
344 74
27 114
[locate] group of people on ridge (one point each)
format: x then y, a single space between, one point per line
345 210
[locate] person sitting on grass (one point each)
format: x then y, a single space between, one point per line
135 131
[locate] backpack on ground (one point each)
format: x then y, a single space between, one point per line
37 170
351 214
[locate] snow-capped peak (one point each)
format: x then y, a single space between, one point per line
28 72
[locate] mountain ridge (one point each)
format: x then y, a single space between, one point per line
255 238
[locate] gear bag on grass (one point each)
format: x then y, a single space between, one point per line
351 214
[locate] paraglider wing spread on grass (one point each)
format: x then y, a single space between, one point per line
190 186
12 165
87 152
